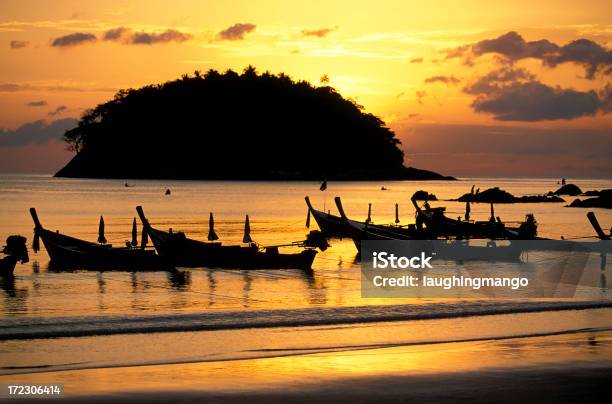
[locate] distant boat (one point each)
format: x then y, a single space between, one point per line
70 252
187 252
168 192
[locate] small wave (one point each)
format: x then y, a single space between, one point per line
38 328
268 353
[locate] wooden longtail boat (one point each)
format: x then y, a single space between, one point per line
333 226
70 252
187 252
443 226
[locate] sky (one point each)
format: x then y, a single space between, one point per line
471 88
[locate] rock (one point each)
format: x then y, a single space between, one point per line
604 200
424 196
568 189
496 195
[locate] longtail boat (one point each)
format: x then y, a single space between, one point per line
333 226
187 252
71 252
444 226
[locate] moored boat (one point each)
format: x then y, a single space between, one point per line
71 252
187 252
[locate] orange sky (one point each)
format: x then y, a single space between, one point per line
393 57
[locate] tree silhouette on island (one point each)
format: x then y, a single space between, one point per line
230 126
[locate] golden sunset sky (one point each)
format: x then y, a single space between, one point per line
464 84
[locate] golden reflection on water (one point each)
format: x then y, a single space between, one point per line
304 371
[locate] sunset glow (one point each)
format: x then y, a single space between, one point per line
464 86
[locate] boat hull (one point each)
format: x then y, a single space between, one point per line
186 252
70 253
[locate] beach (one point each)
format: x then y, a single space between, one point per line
554 367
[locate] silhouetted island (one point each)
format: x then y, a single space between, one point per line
496 195
602 199
231 126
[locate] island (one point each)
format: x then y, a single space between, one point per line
231 126
497 195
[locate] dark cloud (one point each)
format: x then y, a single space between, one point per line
513 94
236 31
584 52
442 79
416 60
149 38
58 110
77 38
512 47
38 132
15 44
320 33
535 101
115 34
127 36
37 103
420 95
492 81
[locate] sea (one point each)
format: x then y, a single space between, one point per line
58 320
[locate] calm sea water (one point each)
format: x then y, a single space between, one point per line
277 212
40 302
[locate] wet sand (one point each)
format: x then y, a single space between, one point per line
557 368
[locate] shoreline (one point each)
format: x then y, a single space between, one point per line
552 368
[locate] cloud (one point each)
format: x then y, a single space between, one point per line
320 33
42 103
512 47
58 110
420 95
77 38
15 44
591 55
236 31
493 80
516 95
148 38
416 60
36 132
127 36
448 80
115 34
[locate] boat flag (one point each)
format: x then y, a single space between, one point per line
247 231
212 236
397 213
323 185
134 234
101 238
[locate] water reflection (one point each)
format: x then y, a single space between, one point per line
179 280
15 299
